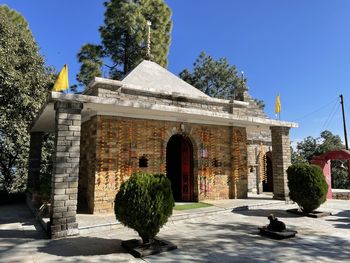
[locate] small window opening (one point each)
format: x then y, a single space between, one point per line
143 161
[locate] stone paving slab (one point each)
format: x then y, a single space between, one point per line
88 223
229 236
234 238
23 240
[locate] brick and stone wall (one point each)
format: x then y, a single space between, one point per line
236 108
112 146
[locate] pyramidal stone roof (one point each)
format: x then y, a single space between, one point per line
149 76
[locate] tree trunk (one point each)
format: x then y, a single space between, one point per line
145 240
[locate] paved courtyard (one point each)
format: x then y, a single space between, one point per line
226 236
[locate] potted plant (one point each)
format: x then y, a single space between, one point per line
144 203
307 185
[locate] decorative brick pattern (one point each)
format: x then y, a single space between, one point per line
112 146
65 169
281 157
238 181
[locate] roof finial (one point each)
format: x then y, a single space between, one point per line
148 55
242 79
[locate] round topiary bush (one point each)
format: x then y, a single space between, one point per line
144 203
307 186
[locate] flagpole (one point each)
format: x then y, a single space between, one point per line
278 107
279 100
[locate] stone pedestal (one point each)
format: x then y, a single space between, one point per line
281 157
65 169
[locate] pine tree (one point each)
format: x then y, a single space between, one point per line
124 38
24 86
215 78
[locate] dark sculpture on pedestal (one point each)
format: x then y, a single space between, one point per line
275 224
276 229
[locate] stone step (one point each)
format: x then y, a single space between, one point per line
184 215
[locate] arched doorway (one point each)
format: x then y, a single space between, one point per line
324 162
268 183
179 167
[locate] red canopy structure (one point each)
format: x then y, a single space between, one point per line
324 161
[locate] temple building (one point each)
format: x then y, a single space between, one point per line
154 122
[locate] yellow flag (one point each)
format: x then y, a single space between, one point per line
62 80
278 104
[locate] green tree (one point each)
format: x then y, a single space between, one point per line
307 185
24 85
215 78
329 142
124 38
90 58
144 203
15 17
311 147
306 149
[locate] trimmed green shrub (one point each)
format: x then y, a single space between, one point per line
144 203
307 186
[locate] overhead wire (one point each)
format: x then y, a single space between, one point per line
330 117
318 109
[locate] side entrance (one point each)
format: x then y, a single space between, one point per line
268 182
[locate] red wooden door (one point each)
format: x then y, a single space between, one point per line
185 171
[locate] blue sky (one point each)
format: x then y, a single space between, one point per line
298 48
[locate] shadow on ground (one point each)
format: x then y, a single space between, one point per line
18 234
343 218
241 242
15 213
83 246
265 213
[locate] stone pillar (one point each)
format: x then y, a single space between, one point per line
65 174
36 139
259 184
281 160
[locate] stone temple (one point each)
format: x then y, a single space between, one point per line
154 122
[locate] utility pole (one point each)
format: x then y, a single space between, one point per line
345 133
344 123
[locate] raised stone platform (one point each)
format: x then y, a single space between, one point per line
313 214
89 223
139 250
342 194
288 233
